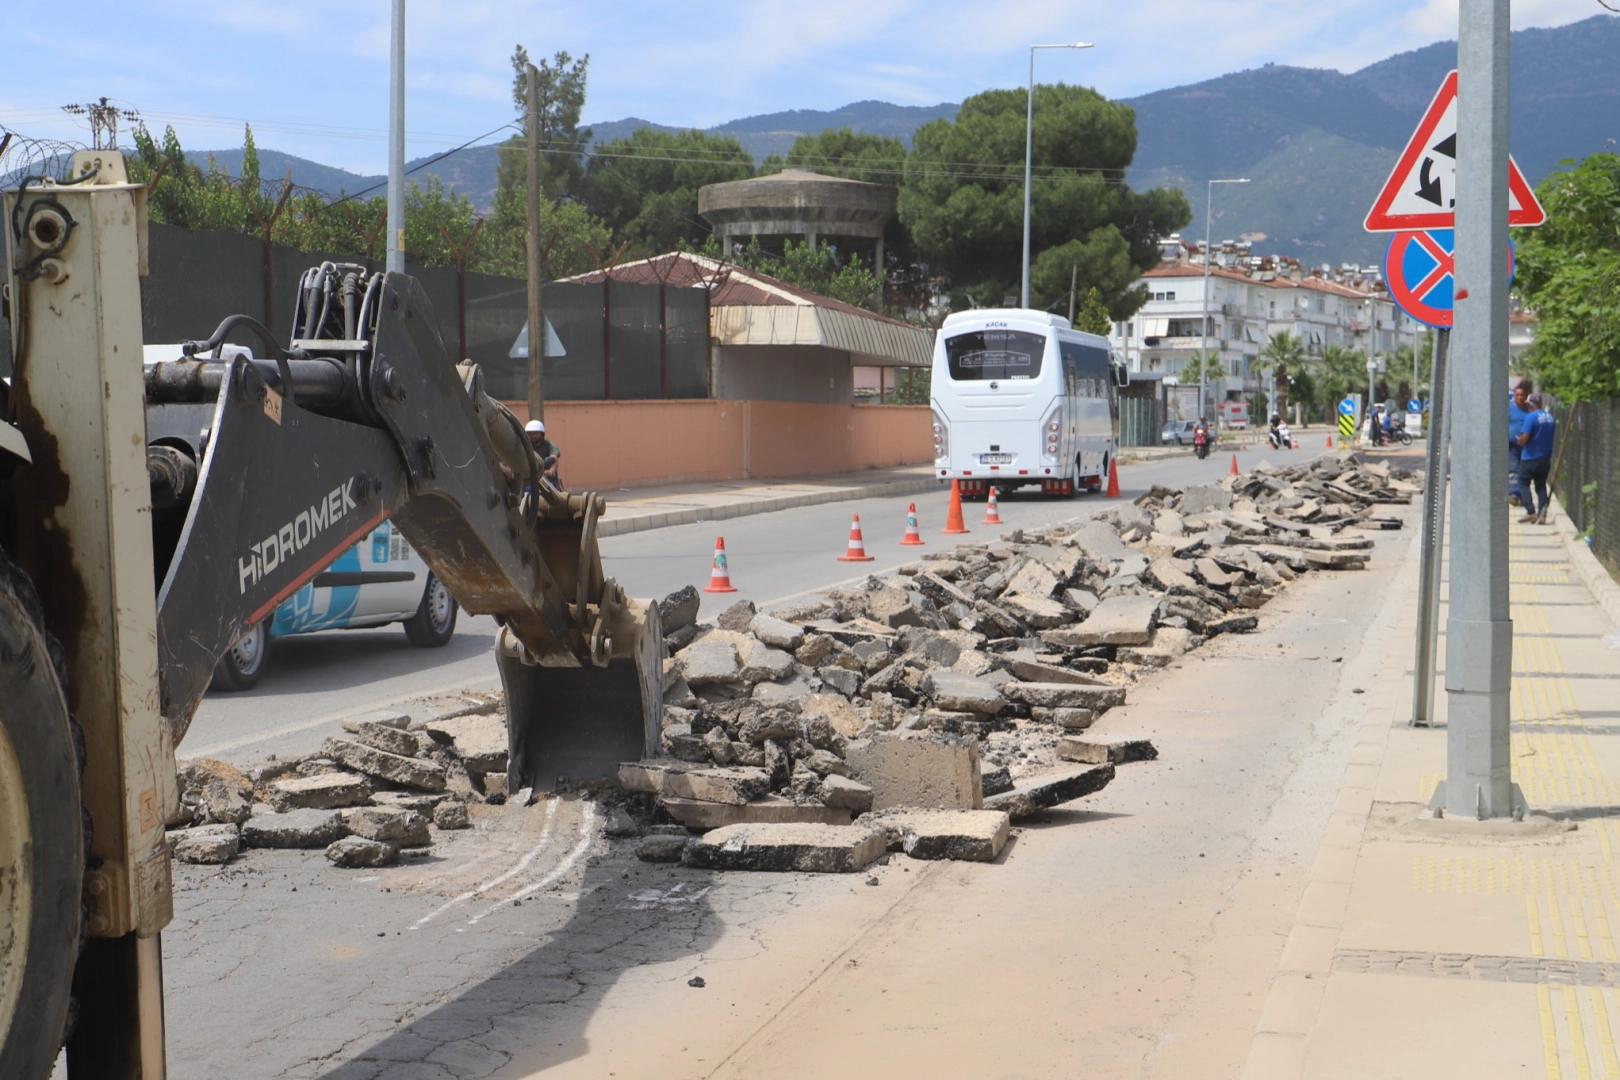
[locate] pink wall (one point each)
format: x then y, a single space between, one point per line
610 444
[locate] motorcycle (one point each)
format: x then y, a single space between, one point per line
1398 433
1201 444
1282 438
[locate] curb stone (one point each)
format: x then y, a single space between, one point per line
1604 589
659 519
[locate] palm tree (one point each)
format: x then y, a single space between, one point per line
1283 352
1343 372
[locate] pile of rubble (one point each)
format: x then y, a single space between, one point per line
924 713
382 789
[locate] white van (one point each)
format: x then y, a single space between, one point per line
1019 399
379 581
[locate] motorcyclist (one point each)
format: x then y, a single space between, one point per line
1201 437
549 451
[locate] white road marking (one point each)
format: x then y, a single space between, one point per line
585 835
478 890
675 897
216 749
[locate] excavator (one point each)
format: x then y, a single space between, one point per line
153 513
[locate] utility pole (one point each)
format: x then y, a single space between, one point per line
395 263
1479 633
1203 359
537 318
1074 277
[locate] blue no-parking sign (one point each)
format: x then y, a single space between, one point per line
1420 268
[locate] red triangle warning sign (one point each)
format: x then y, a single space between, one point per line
1421 191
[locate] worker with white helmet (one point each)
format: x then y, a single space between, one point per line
548 450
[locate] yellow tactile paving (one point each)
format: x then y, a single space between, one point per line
1572 900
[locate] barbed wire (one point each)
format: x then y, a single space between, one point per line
26 155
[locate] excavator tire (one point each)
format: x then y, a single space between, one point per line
41 837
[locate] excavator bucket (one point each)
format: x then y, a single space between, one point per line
579 723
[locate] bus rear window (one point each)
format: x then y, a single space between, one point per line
994 354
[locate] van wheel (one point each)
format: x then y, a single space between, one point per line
244 663
42 829
435 620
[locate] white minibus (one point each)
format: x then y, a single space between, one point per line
1019 399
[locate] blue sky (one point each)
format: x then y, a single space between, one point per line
313 76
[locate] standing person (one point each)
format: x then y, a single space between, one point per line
1535 460
548 450
1518 409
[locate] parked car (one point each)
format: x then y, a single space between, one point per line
1179 432
377 582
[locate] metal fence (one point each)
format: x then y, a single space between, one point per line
1140 421
622 341
1587 476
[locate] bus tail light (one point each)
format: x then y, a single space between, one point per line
1053 427
942 437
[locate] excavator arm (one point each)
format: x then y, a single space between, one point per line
365 417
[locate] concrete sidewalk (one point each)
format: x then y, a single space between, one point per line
1429 948
636 509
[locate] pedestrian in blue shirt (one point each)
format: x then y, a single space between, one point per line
1535 460
1518 409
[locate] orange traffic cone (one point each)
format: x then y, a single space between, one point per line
857 546
1330 442
1234 466
953 517
912 536
992 516
720 573
1113 479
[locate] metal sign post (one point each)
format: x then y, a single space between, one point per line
1479 632
1434 531
1455 173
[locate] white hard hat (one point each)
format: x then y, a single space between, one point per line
535 425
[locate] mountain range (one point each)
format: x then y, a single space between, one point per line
1315 143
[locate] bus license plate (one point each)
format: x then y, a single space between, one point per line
995 459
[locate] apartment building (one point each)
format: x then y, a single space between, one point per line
1251 298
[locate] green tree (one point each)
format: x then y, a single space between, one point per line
1093 317
1302 388
190 197
813 268
562 143
644 186
1283 355
1339 372
963 194
877 159
1569 273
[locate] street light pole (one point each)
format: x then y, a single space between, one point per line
1203 362
1029 151
396 142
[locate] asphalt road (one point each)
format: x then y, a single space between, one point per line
1136 932
317 680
